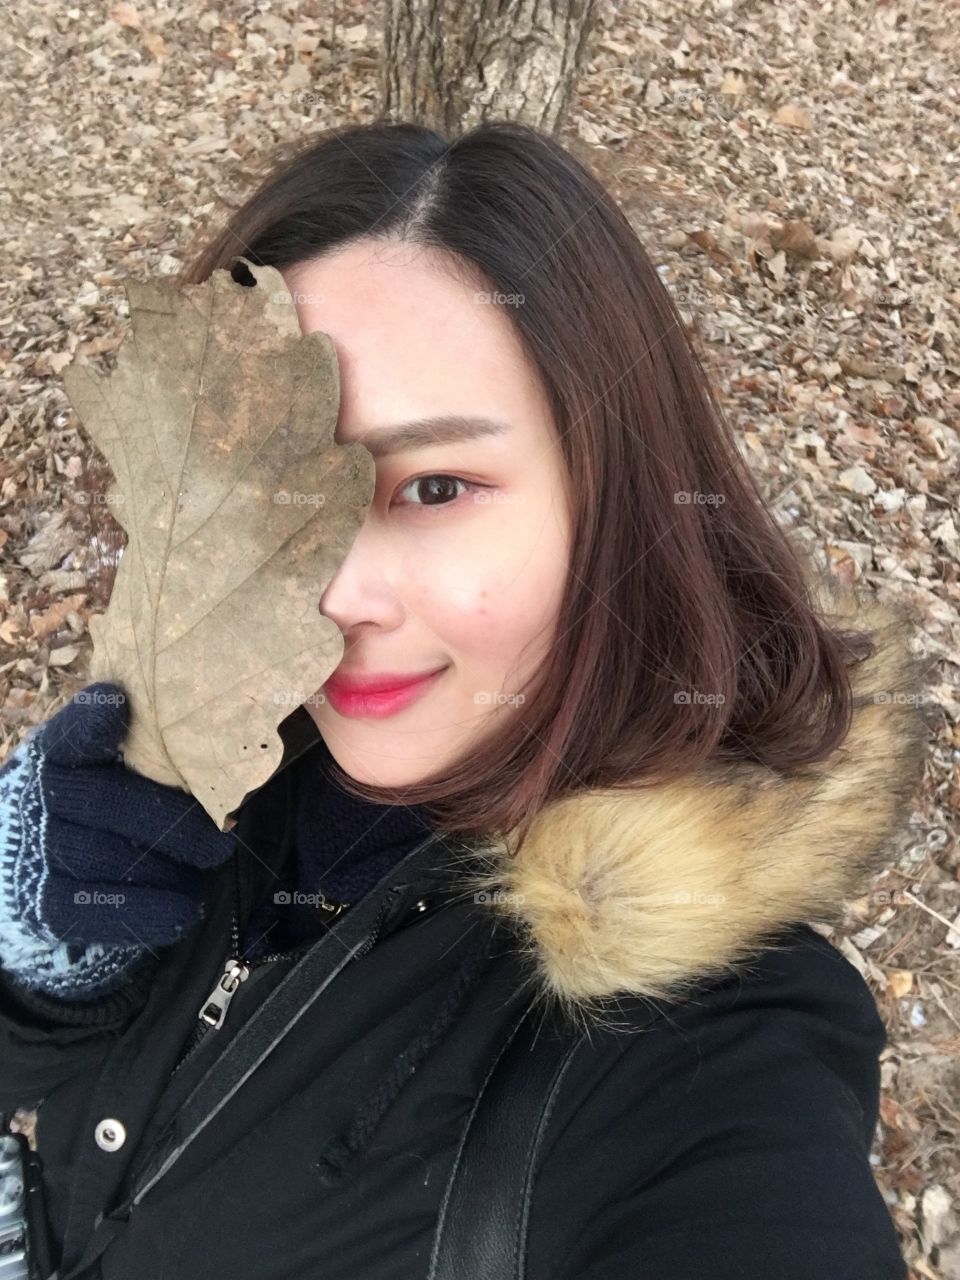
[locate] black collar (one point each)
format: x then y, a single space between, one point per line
266 830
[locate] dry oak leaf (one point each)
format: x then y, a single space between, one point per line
218 424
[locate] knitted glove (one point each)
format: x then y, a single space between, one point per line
98 864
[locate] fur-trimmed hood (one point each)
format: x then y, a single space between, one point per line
650 891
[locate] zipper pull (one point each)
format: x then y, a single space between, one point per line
331 909
218 1001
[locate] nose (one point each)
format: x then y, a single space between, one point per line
363 590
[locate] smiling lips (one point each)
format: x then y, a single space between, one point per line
379 695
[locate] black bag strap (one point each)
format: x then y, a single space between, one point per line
482 1226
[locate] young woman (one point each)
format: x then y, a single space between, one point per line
600 748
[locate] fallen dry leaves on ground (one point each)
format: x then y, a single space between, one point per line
793 171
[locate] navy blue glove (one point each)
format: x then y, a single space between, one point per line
98 864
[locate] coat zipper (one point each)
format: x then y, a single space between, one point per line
386 907
213 1011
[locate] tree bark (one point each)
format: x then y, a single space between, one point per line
451 63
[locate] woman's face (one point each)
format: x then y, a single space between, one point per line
464 572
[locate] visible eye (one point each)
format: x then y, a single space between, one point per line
436 488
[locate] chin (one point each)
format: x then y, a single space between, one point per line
383 777
383 763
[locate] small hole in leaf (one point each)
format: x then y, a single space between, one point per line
242 274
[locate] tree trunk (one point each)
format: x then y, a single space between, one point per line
451 63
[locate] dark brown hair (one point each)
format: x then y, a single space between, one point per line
687 630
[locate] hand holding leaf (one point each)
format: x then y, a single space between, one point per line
218 423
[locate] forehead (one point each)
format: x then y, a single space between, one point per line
415 333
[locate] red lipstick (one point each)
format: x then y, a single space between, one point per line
381 694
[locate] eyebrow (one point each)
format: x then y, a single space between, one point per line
421 433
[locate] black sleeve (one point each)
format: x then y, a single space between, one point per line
729 1137
45 1040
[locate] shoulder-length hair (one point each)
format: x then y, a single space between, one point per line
687 629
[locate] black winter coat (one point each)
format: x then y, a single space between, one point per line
715 1118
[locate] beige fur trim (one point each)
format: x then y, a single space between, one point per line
647 891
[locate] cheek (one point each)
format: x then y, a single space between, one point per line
486 602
